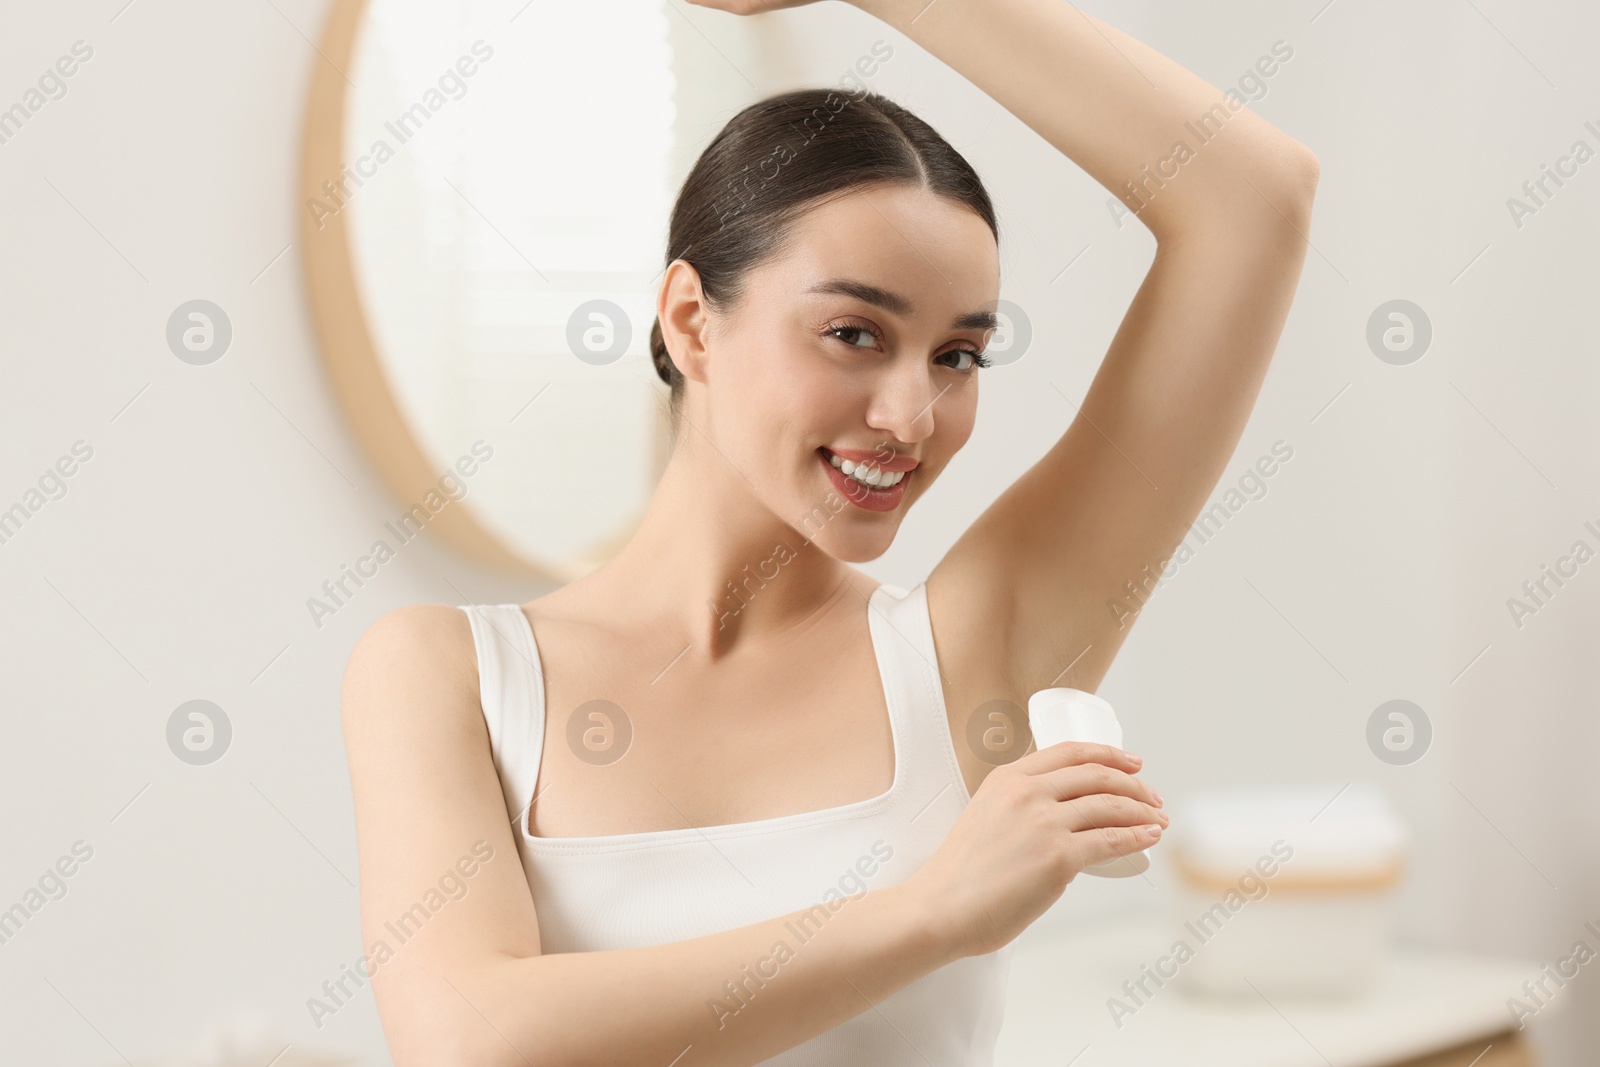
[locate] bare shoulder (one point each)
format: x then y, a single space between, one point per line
420 628
426 649
413 680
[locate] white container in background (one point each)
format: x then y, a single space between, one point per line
1283 890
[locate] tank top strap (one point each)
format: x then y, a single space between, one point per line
903 632
511 688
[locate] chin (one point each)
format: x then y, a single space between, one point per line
858 546
851 532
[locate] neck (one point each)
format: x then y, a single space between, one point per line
709 555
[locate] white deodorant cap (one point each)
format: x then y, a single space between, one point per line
1061 714
1057 715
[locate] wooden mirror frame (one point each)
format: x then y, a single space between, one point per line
345 340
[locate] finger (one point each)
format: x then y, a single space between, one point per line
1104 809
1085 779
1068 753
1107 843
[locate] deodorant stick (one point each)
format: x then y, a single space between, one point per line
1061 714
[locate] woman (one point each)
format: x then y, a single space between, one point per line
802 858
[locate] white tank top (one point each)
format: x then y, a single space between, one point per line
637 889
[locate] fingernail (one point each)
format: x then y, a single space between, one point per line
1159 802
1153 831
1135 757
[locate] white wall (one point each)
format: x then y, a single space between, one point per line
219 498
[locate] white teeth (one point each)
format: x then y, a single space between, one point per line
873 476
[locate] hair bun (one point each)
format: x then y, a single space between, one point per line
659 355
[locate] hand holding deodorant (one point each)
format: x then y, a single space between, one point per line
1060 714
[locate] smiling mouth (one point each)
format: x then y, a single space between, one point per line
867 474
857 486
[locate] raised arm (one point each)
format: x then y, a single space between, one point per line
469 984
1040 579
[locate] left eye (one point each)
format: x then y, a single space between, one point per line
973 358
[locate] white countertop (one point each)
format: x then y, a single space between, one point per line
1425 1000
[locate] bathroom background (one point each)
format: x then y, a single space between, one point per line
208 504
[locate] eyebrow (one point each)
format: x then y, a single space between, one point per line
899 305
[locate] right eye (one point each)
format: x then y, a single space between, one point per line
835 329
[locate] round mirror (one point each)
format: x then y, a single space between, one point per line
486 206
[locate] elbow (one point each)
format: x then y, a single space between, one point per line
1284 179
453 1032
1305 169
1295 171
464 1045
463 1010
1264 202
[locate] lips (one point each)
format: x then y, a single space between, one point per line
865 496
894 462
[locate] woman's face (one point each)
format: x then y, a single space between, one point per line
858 344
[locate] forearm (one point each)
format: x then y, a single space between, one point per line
1110 103
655 1004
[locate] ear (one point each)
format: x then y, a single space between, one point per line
681 310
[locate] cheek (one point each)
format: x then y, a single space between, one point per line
951 432
771 401
955 428
827 397
790 387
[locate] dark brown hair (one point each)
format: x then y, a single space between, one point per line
780 156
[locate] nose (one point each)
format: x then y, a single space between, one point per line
903 405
